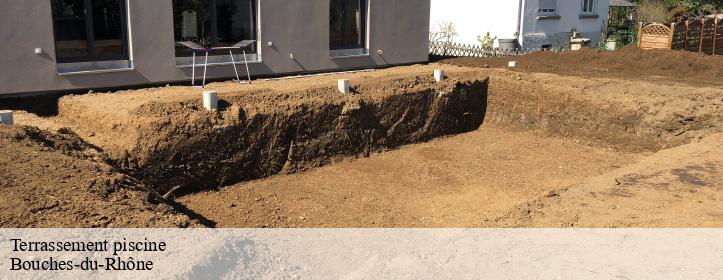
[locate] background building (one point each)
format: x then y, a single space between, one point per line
540 23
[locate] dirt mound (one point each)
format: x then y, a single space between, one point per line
58 180
629 63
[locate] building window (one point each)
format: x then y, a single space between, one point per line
90 30
347 24
588 6
214 23
548 7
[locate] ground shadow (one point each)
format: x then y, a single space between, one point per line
191 214
42 105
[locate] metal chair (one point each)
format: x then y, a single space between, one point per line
242 46
196 48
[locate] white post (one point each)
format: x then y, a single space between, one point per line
234 66
512 64
193 72
6 117
344 86
210 100
438 75
246 62
205 65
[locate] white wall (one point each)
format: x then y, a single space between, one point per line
474 18
542 32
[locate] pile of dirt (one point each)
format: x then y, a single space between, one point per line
262 132
57 180
629 63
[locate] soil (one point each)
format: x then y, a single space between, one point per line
679 187
629 63
58 180
260 131
459 181
402 151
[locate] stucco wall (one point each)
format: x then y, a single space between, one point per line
475 18
397 27
539 32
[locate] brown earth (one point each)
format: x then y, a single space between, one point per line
262 130
582 128
678 187
629 63
57 180
459 181
543 136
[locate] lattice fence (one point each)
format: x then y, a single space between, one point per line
464 50
703 36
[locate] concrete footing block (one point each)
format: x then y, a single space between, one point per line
6 117
439 75
512 64
210 100
344 86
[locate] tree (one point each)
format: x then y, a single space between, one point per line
683 8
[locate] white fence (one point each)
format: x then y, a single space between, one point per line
462 50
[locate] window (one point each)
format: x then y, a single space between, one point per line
347 23
548 7
90 30
214 23
588 6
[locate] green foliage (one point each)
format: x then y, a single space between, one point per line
687 8
487 42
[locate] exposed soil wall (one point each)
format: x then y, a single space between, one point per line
623 115
262 133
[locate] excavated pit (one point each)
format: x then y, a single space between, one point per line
154 140
164 136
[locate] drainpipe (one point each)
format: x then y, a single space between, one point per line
520 5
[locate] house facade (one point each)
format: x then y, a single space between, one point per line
60 45
534 23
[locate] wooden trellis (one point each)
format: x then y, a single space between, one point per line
465 50
655 36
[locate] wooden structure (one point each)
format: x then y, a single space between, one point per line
655 36
703 36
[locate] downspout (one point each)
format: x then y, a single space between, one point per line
519 23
